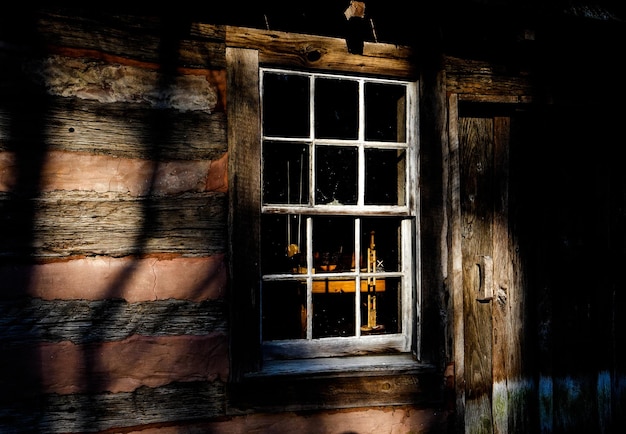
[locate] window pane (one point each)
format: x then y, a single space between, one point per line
383 233
380 295
286 105
380 306
285 173
284 310
385 108
333 313
336 109
333 244
385 176
336 175
283 243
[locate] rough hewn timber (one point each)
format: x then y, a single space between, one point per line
81 321
117 129
59 224
317 52
54 413
455 280
244 140
103 173
484 81
300 393
143 39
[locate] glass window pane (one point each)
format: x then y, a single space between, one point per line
286 105
336 109
283 243
385 176
283 310
336 175
380 306
333 244
385 112
285 173
333 313
381 234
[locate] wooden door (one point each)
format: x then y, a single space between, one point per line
476 198
482 140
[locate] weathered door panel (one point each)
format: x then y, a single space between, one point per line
476 147
530 352
493 390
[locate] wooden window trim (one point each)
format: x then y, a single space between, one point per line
244 168
311 52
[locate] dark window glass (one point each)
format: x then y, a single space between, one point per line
384 176
286 105
336 109
285 173
385 108
333 313
284 310
283 243
385 232
336 175
333 244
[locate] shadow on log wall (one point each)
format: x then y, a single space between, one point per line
112 296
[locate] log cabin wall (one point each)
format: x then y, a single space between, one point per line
114 270
113 198
113 158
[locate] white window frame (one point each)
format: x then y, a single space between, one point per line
382 345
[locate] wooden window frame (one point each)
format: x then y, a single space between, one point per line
407 210
247 51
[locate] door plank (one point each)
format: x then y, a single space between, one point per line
476 199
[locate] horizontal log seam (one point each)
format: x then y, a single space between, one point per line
104 278
117 366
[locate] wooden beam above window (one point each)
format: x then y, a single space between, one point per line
323 53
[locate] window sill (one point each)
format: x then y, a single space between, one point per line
338 383
355 366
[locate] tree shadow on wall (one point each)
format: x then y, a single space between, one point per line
81 328
23 110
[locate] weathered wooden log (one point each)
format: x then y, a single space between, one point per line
146 39
58 224
82 321
118 129
306 51
184 401
82 171
298 393
488 82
